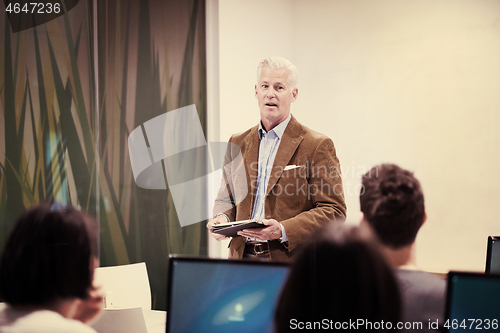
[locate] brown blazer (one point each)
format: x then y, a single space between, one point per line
308 193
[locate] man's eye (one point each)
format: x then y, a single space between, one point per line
280 88
264 86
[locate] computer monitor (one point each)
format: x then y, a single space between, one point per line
472 302
217 295
493 255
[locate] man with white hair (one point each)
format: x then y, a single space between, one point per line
293 182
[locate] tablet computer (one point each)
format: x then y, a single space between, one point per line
230 229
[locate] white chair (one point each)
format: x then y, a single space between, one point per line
125 286
127 301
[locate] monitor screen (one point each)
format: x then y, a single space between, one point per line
472 302
215 295
493 255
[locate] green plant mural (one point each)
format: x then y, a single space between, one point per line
57 144
48 135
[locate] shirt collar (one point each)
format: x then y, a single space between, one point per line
278 130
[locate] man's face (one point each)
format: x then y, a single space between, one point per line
274 96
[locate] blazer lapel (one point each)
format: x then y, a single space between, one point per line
252 157
289 143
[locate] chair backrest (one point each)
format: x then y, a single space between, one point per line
126 286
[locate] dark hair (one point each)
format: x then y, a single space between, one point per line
339 275
48 255
393 204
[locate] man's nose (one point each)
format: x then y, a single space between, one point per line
271 93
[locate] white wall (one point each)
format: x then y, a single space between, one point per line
416 83
249 31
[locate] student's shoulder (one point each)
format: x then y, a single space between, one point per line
417 279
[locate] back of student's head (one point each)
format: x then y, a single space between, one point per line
49 255
393 204
340 275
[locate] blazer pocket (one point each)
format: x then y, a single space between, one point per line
292 187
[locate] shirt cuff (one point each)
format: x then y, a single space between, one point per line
227 217
283 238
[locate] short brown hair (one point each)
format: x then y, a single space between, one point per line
393 204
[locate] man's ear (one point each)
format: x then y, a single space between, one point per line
362 219
295 93
256 91
364 224
425 219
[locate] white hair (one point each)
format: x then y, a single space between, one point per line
279 63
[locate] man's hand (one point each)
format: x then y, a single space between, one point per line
272 231
89 309
218 220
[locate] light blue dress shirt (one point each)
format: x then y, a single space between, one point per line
269 144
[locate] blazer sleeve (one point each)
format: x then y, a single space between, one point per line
325 191
225 201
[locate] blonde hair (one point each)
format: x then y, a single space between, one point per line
279 63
